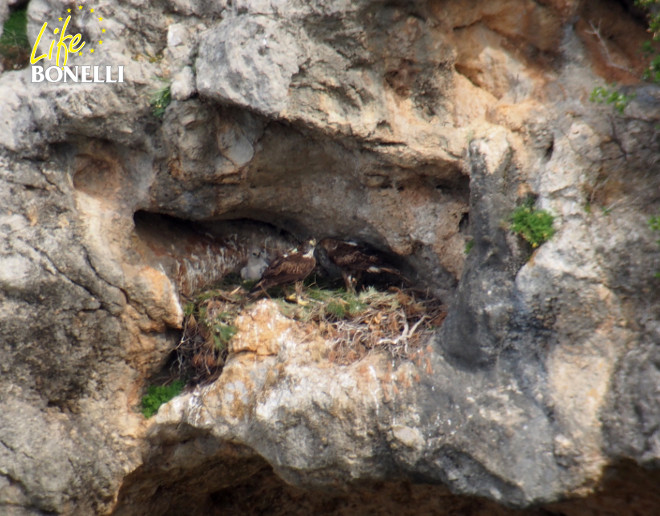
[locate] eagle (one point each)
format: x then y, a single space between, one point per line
350 260
290 267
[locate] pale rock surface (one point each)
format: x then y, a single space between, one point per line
4 13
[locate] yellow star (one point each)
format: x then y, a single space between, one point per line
68 10
79 53
80 7
60 18
100 19
91 50
102 30
91 10
101 42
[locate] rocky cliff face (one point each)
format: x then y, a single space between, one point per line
412 126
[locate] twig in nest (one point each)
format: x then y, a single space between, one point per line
405 337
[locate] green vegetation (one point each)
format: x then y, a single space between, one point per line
353 323
154 59
334 304
188 309
654 18
160 99
338 303
159 394
535 226
208 329
654 224
395 320
652 73
14 45
611 96
223 330
468 246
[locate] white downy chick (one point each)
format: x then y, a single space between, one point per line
255 266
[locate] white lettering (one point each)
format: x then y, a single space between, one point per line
108 74
71 73
85 73
59 71
38 74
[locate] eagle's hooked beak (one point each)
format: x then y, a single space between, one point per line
311 247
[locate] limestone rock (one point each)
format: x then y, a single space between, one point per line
183 84
4 13
248 61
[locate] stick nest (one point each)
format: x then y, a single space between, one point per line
397 321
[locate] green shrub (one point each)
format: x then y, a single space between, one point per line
14 44
654 224
189 308
160 99
535 226
159 394
223 330
610 95
650 48
468 246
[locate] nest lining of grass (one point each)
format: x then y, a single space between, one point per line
396 320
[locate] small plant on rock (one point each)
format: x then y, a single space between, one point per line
612 96
160 99
159 394
207 330
535 226
654 224
223 330
14 45
652 73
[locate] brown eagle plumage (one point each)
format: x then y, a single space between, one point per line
287 268
350 260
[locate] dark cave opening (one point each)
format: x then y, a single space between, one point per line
207 260
176 242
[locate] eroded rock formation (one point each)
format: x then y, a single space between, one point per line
412 126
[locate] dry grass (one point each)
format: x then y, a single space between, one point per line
396 321
208 328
